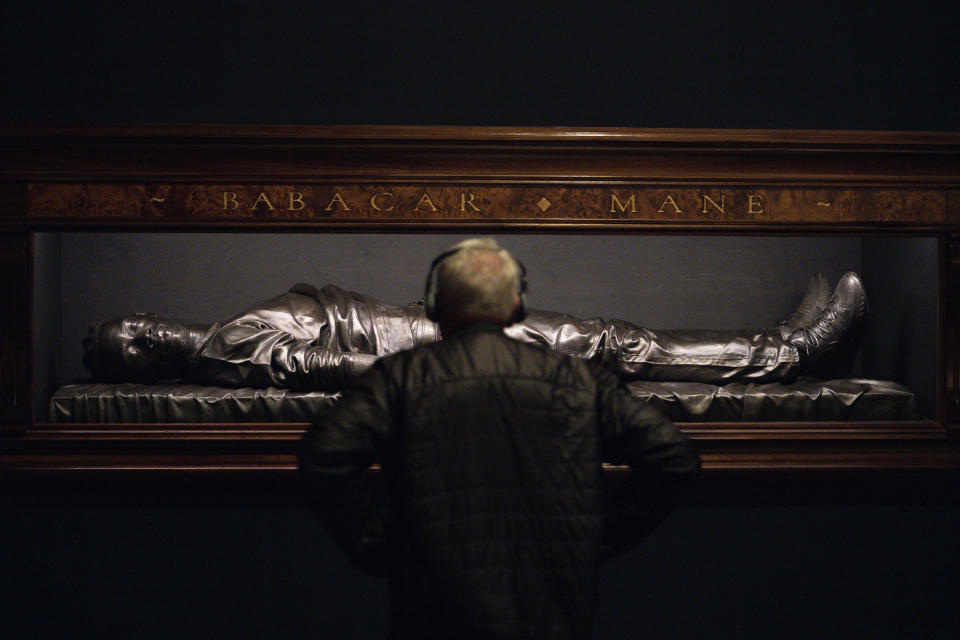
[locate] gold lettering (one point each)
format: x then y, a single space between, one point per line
616 204
425 199
467 199
707 199
754 203
230 201
337 198
673 203
296 198
373 201
261 198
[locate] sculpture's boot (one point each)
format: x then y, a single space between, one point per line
828 346
813 303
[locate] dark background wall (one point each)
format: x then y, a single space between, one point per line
888 65
117 558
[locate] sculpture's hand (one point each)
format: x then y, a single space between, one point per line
311 368
250 354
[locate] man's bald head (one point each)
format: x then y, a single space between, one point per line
480 282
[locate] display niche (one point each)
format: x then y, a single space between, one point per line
712 290
695 246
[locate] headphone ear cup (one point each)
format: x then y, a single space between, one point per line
430 306
522 309
429 294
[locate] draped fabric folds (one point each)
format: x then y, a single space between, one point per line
804 399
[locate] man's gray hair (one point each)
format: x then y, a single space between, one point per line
479 282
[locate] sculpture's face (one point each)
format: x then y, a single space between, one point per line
142 347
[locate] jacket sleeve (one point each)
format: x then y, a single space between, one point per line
334 457
635 433
660 456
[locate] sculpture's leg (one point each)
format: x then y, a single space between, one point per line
635 352
715 357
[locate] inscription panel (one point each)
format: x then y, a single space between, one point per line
385 203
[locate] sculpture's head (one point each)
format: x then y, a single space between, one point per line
139 348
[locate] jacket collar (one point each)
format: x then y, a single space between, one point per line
476 327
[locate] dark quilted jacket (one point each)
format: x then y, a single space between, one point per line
491 453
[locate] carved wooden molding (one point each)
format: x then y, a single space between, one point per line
286 154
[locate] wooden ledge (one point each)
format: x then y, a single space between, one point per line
727 449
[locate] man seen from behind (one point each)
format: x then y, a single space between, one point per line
491 453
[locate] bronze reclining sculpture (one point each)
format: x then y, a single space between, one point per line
319 339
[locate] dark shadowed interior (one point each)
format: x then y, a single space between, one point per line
199 556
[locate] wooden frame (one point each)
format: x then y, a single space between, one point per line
300 178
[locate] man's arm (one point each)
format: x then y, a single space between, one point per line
661 458
635 433
334 457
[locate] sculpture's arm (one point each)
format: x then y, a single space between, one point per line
308 368
241 354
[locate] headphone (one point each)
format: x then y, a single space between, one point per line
430 293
